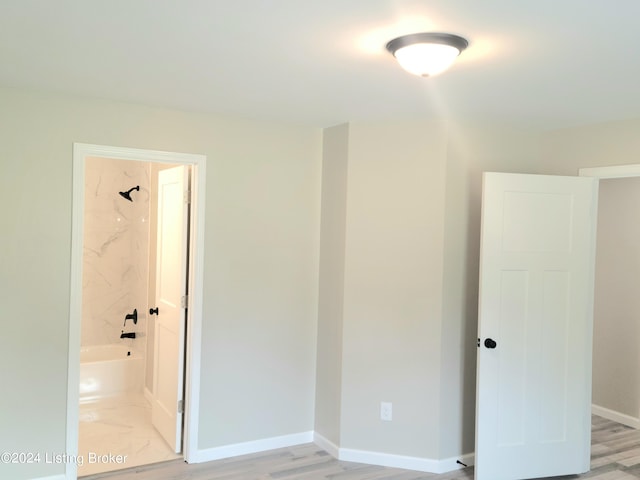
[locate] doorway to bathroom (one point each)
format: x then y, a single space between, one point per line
136 305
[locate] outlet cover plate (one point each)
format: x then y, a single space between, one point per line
386 411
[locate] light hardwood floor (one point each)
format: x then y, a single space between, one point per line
615 455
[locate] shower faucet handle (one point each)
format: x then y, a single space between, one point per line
131 316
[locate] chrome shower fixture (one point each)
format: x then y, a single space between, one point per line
127 194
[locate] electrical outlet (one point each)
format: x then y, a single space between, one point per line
386 411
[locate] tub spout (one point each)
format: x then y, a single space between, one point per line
128 335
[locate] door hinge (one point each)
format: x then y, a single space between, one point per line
187 196
181 406
184 301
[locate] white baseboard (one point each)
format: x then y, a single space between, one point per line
255 446
327 445
616 416
405 462
52 477
395 461
451 464
347 454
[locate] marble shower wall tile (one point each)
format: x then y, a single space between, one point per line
116 251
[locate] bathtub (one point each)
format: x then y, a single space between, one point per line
108 370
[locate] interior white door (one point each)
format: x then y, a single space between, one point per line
171 287
533 410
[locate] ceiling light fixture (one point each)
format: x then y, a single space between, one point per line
426 54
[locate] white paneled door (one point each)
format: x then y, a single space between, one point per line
537 259
171 289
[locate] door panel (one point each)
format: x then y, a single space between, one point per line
171 285
536 303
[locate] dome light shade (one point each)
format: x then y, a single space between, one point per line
426 54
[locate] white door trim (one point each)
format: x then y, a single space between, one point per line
196 273
616 171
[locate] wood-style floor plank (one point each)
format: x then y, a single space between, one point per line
615 455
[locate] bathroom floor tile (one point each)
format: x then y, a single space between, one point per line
119 426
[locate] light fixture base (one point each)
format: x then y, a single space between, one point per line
433 37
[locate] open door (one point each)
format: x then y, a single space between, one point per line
533 410
171 291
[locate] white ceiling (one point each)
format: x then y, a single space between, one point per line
539 63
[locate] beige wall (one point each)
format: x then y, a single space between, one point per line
261 263
612 143
411 216
390 348
410 289
393 287
261 284
616 357
472 149
331 281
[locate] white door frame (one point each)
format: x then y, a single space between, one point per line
617 171
613 172
81 152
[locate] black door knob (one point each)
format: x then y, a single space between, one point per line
153 311
490 343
